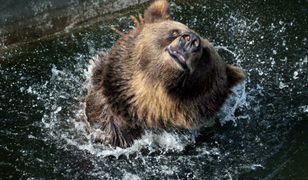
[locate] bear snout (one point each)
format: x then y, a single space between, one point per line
190 42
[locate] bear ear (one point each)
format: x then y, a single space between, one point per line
158 11
235 75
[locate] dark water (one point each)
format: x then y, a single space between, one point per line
261 132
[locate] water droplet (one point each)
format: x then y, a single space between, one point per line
295 75
282 85
304 108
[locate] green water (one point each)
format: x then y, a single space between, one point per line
261 132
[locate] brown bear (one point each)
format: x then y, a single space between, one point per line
159 75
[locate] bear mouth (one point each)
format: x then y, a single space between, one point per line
177 56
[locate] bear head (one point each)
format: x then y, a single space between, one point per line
164 74
178 56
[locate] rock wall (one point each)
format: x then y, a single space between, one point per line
26 20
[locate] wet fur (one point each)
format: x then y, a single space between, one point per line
133 88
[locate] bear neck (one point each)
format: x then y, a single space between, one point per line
156 107
136 98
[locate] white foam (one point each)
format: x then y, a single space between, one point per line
237 99
304 108
295 75
226 49
282 85
130 176
162 141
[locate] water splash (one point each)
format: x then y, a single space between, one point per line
64 118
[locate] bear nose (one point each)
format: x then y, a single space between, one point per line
190 42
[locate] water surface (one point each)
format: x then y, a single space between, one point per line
261 132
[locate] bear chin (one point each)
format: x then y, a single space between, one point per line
159 75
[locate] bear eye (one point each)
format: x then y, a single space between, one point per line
171 36
175 33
